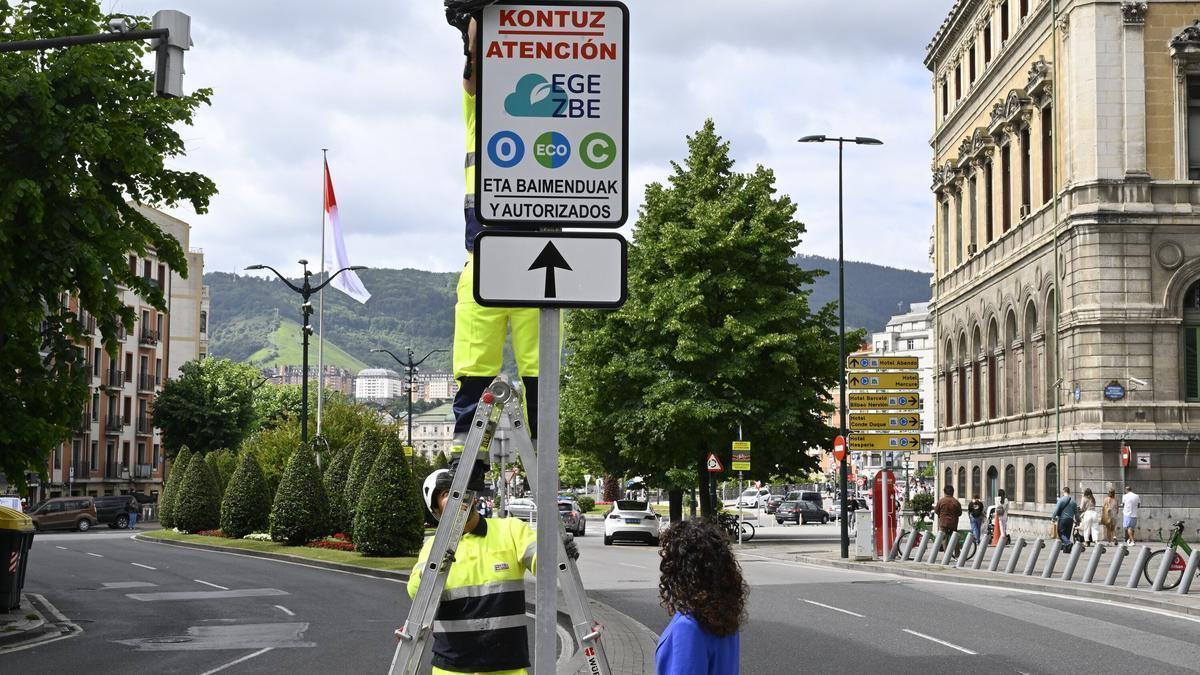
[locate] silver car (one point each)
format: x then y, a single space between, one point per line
522 508
572 517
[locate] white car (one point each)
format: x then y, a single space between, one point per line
522 508
632 521
754 497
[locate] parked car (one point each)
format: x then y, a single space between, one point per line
522 508
800 512
773 502
834 506
65 513
113 510
572 517
811 496
754 497
630 520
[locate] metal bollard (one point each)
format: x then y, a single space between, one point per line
1093 564
1189 573
995 564
1031 562
920 556
950 548
937 546
1139 567
896 547
908 545
1115 569
962 556
1055 550
1016 556
1161 576
1076 552
980 554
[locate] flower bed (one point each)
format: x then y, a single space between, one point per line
331 542
212 533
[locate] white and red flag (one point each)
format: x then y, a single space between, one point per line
335 254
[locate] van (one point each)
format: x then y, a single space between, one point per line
810 496
65 513
113 510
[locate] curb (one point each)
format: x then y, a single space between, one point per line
26 628
1005 581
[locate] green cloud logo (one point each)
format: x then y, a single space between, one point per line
534 96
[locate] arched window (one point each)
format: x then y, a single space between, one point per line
962 359
948 374
1031 359
976 385
993 395
962 482
975 478
1052 385
949 478
1029 494
1010 365
1191 343
993 484
1052 486
1010 481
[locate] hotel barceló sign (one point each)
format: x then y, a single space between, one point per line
552 115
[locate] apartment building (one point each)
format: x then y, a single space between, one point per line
1066 181
378 384
334 378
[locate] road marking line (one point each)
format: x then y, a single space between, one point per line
275 560
145 566
285 610
63 548
941 642
199 581
206 595
640 567
836 609
96 555
63 620
237 661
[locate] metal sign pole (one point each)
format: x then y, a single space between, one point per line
545 622
741 488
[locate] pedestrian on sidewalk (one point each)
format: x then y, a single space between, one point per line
1129 507
1108 516
1001 516
702 585
1065 511
1089 522
975 512
132 508
948 511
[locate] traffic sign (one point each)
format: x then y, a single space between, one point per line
741 460
552 115
839 448
566 269
510 475
1143 460
899 380
885 362
902 401
890 442
1124 455
741 445
714 464
885 421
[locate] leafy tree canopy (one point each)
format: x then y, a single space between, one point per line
210 406
83 138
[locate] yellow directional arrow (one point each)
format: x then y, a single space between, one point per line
890 442
899 401
900 380
885 421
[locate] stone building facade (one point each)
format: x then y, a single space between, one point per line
1066 246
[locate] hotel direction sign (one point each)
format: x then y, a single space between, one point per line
883 380
882 362
872 401
885 421
885 442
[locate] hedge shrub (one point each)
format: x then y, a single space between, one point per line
166 506
364 459
301 510
222 463
586 504
246 507
390 520
335 487
197 506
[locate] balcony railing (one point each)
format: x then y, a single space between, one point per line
148 382
113 425
82 470
148 337
85 423
144 428
142 471
114 470
114 378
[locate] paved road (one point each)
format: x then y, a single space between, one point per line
805 618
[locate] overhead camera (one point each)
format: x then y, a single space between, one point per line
1137 382
120 24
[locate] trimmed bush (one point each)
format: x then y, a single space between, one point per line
391 515
364 459
197 506
301 510
335 487
586 504
166 506
222 463
246 507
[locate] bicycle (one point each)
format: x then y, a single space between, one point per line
1178 565
730 523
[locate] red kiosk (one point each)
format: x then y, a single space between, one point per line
883 494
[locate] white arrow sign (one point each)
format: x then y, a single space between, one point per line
568 269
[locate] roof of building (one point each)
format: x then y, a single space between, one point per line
378 372
944 30
444 412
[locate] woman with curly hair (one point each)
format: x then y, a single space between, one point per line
702 586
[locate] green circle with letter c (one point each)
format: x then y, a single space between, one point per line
598 150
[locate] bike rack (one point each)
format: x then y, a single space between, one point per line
1115 569
995 564
1016 555
950 548
1093 564
937 547
1189 573
1055 551
980 554
1165 566
1139 567
908 545
1069 571
1031 562
962 556
895 550
920 557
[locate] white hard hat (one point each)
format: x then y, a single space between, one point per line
428 488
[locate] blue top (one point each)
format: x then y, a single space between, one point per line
1065 508
686 648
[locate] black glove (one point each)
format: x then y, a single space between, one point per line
458 14
478 481
571 547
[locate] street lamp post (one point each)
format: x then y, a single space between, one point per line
306 291
857 140
411 371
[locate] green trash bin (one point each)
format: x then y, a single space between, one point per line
16 538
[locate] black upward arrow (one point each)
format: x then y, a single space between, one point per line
550 258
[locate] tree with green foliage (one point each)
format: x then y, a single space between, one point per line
197 507
360 467
276 404
335 487
717 331
84 139
222 463
273 448
246 507
210 406
390 520
166 503
301 509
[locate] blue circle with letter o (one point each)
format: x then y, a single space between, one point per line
506 149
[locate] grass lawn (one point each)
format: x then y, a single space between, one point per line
402 564
285 348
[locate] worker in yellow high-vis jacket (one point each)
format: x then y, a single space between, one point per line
479 332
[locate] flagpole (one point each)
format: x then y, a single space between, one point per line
321 300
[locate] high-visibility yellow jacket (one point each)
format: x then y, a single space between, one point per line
480 625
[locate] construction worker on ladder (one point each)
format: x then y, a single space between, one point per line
480 625
479 331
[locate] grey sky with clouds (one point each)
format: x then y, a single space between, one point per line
377 83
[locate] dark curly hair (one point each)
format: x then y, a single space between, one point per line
701 577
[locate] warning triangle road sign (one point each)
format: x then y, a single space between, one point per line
714 464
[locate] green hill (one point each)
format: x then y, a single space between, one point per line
285 348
